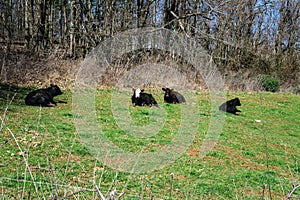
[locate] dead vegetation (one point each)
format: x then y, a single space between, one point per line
23 69
152 69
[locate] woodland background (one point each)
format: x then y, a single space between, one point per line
43 41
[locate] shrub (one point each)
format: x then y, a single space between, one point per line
269 83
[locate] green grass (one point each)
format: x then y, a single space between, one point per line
42 155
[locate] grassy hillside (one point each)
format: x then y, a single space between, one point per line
257 155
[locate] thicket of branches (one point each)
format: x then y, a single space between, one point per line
249 36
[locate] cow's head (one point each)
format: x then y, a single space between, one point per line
236 102
55 90
137 92
167 91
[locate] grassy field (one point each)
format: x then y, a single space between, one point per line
257 155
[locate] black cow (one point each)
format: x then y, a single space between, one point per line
43 97
140 98
230 106
172 96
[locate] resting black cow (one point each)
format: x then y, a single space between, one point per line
172 96
43 97
140 98
230 106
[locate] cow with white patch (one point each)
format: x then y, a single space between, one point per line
140 98
172 96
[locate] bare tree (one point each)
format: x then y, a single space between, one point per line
259 36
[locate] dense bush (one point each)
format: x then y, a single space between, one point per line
269 83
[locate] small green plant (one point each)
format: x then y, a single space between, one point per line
269 83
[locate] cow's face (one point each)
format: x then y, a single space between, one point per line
137 93
167 91
237 102
55 90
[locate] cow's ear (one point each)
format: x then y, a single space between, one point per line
142 90
164 89
52 85
133 89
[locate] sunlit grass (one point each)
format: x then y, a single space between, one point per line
257 154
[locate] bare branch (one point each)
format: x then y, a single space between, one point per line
26 162
100 193
290 194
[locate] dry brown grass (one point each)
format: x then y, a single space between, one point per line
22 68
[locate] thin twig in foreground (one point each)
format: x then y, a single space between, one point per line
5 112
100 193
295 187
26 162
